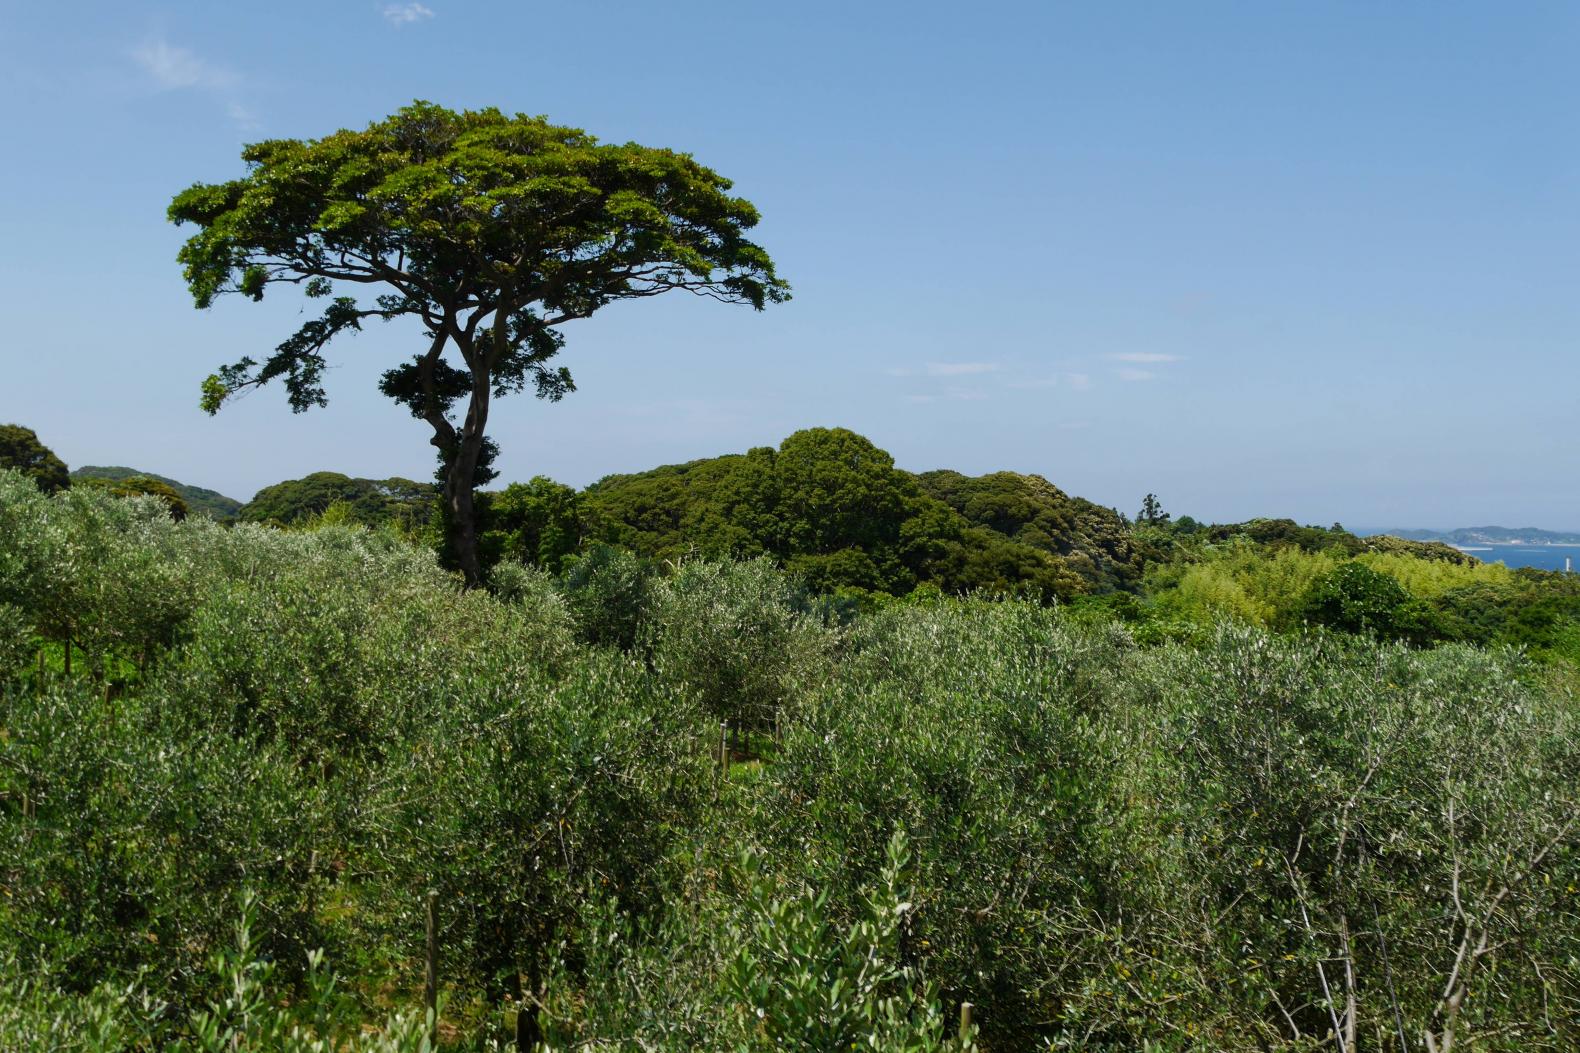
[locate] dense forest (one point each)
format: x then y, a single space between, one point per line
783 750
194 499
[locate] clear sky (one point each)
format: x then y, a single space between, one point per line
1318 260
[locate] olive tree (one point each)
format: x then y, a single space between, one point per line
490 231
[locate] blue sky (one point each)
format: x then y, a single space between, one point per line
1317 260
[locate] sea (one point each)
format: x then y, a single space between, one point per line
1543 557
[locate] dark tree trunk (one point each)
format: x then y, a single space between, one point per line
463 447
461 481
462 528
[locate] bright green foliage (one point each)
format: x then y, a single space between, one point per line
1408 591
488 230
1263 585
21 451
1353 598
1430 578
198 500
800 983
538 523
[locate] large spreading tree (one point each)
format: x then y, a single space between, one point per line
490 230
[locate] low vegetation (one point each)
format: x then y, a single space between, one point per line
1285 790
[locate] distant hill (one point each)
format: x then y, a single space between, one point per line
832 508
1492 535
199 501
372 502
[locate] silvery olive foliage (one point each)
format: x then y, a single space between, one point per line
736 637
273 746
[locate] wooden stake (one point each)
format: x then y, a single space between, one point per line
965 1022
430 978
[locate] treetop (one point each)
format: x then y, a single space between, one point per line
464 217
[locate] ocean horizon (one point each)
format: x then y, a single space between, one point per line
1542 557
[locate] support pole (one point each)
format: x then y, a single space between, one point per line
430 974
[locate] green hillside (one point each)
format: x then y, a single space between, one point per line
368 501
832 508
199 501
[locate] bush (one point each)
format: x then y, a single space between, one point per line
1356 599
609 592
735 637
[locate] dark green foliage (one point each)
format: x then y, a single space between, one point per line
1286 533
610 594
371 502
1057 545
1540 611
1433 550
21 451
198 500
833 509
1355 599
144 485
489 231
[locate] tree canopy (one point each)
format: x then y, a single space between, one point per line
490 231
372 502
21 450
142 486
198 499
832 508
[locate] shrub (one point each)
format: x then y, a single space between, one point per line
1356 599
609 591
734 636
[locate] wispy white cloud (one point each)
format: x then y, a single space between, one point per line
1132 374
1145 357
960 369
399 15
243 117
173 67
953 394
1079 381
